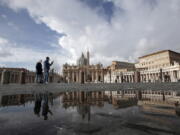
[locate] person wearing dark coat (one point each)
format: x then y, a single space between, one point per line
39 72
47 66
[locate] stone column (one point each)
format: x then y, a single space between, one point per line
120 78
123 79
133 78
68 77
80 77
126 78
147 77
97 76
164 77
163 96
141 78
175 75
139 95
129 78
73 76
5 77
161 75
77 77
157 76
92 75
179 75
85 76
22 79
144 78
153 77
171 76
137 76
102 76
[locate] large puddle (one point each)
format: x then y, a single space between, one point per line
91 113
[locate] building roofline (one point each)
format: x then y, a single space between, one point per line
13 68
158 53
123 62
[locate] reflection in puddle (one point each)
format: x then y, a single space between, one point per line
96 112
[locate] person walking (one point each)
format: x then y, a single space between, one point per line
47 66
39 73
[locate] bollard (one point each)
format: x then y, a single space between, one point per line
22 79
5 78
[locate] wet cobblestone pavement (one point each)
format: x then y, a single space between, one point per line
86 113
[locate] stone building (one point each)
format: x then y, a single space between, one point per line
161 66
83 71
119 72
22 75
158 60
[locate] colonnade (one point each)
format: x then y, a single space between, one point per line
80 97
166 76
82 76
145 94
120 77
127 78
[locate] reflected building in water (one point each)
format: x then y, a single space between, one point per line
166 96
18 99
85 101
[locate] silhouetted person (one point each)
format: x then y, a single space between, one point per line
37 106
39 72
47 66
45 108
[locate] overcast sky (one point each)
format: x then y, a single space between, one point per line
120 30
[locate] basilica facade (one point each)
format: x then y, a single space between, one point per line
83 71
161 66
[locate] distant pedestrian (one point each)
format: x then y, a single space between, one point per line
39 72
47 66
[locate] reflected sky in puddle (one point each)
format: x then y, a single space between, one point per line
76 113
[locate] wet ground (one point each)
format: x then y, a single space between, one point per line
84 113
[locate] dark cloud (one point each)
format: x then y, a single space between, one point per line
103 7
136 27
5 54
